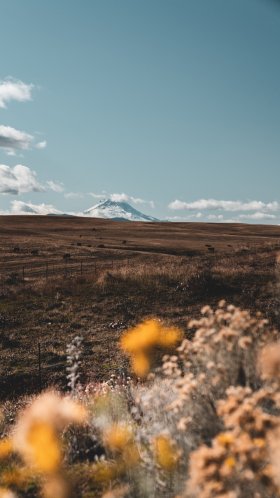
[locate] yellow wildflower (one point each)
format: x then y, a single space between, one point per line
140 364
43 449
117 437
165 452
105 471
36 434
140 341
259 442
6 448
225 438
141 337
130 455
230 462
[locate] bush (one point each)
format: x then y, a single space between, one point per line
204 424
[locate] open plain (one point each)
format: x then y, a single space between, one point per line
62 277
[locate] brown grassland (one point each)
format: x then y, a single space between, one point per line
61 277
129 367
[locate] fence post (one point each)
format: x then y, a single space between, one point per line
23 273
47 270
39 367
81 268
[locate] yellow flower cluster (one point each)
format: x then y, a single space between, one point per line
166 453
36 440
117 437
140 341
119 440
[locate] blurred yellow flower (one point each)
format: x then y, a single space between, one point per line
230 462
131 455
6 447
140 364
36 433
42 449
225 438
117 437
259 442
166 454
139 341
104 471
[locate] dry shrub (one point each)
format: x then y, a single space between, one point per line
169 273
205 424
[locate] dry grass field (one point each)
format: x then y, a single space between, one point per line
178 388
64 276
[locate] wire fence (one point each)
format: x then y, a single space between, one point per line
35 377
25 271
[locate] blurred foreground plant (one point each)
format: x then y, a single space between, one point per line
141 341
36 439
205 424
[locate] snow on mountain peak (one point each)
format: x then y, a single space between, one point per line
116 211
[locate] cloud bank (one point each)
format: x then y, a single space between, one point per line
12 139
14 90
21 179
122 197
20 207
216 210
55 186
231 206
18 180
257 216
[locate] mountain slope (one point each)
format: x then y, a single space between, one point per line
117 211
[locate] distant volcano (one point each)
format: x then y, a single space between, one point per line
119 211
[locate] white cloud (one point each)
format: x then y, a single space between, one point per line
213 204
176 218
119 197
122 197
189 217
41 145
12 139
218 217
20 207
128 198
21 179
14 90
257 216
18 180
55 186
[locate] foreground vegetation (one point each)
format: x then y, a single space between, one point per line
203 424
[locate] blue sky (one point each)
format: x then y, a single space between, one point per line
171 104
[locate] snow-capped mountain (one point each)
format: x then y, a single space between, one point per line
117 211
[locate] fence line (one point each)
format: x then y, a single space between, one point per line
48 269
